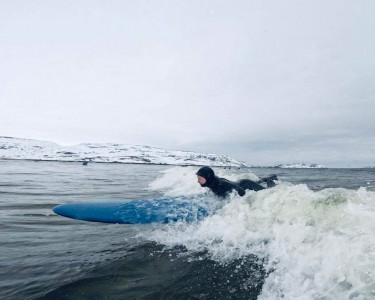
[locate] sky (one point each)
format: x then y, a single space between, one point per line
265 82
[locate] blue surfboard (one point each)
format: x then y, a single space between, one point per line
135 211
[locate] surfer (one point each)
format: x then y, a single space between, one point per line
221 186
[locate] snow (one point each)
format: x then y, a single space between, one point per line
16 148
301 166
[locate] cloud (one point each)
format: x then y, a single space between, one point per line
209 75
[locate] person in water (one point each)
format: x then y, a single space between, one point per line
222 187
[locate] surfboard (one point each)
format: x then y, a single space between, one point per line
164 210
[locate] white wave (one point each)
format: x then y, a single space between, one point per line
178 181
182 181
321 245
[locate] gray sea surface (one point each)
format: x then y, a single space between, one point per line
46 256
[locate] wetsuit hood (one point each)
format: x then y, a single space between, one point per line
208 174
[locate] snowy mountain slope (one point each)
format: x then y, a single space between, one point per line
16 148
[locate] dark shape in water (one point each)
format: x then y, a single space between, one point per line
269 180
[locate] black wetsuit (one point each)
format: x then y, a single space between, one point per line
222 187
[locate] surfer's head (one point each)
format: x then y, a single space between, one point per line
205 176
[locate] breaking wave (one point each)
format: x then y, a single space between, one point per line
315 244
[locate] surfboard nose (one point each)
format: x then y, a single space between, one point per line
61 210
107 212
70 210
56 209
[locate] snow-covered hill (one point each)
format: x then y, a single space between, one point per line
301 166
15 148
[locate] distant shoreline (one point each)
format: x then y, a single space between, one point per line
118 162
174 165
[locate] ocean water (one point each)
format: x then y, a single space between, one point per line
310 237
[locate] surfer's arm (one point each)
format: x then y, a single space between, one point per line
225 187
239 190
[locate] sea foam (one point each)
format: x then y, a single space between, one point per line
182 181
316 245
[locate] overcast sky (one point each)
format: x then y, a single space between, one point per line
262 81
